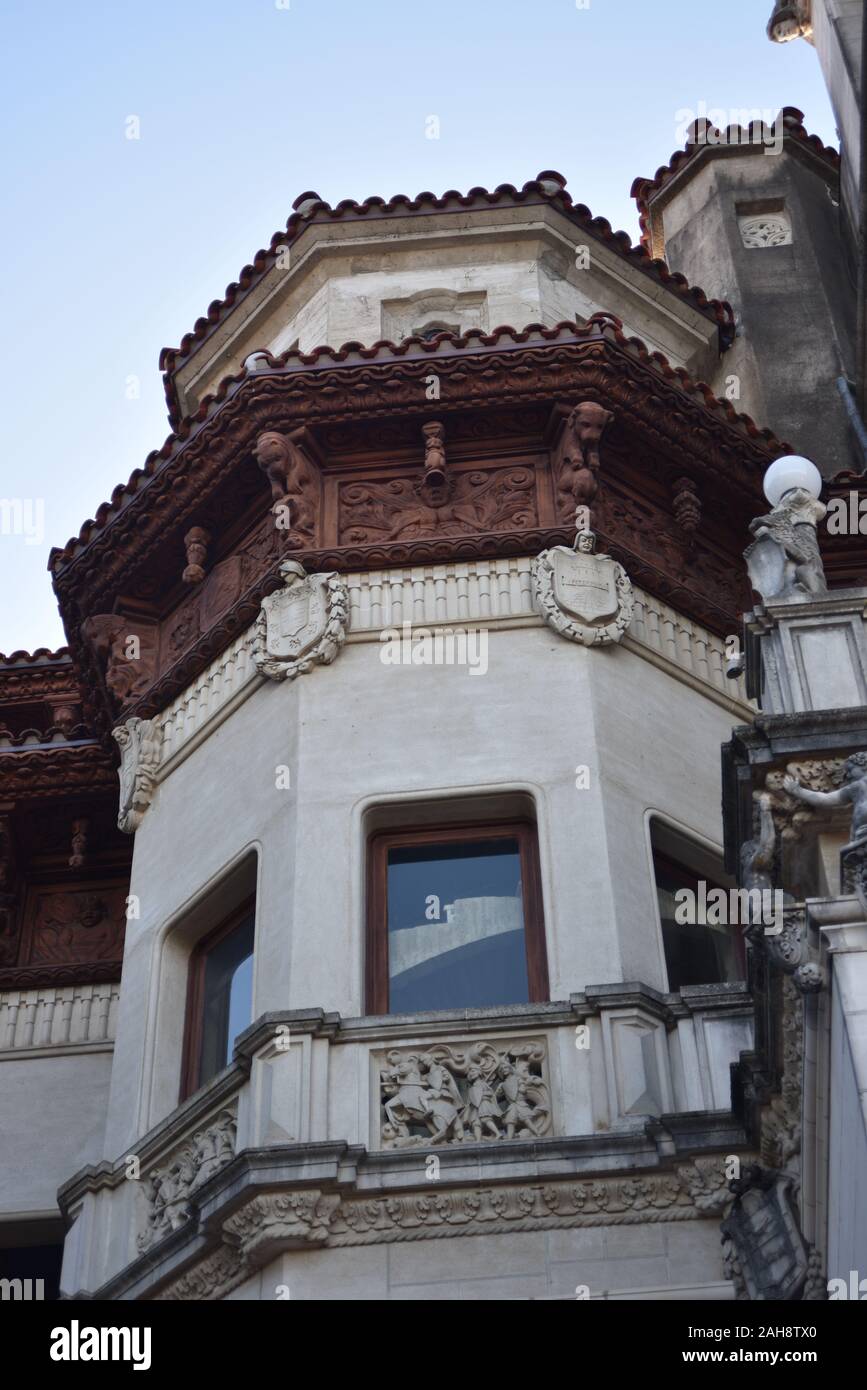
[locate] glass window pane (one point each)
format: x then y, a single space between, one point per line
696 953
227 998
456 925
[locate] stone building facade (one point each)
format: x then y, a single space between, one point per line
413 659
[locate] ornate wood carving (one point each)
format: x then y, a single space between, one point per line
287 462
576 458
467 503
127 647
71 925
361 502
196 543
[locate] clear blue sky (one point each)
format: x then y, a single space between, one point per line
113 247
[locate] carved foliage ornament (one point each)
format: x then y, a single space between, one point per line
270 1222
302 624
438 504
448 1095
585 597
140 742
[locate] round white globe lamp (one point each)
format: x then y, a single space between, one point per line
791 471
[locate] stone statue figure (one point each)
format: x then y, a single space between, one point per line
525 1098
853 792
853 856
757 855
795 564
482 1111
444 1102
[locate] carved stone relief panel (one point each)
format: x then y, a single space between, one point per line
169 1187
66 925
452 1094
464 503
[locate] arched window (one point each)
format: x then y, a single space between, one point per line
220 997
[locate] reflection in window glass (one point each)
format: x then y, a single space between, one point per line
227 998
456 925
700 952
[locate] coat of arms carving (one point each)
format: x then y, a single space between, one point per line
302 624
583 596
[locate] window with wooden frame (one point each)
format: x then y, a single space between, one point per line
454 918
219 997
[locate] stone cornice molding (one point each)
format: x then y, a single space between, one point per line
266 1201
490 593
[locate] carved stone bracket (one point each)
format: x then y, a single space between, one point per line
169 1188
140 742
585 597
302 624
791 948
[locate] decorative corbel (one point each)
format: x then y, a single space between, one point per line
196 543
291 463
434 455
128 649
576 457
687 506
80 829
140 743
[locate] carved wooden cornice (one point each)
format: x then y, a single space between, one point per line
56 771
358 502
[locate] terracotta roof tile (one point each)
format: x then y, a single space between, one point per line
474 340
643 189
548 186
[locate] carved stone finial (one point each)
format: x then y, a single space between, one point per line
80 830
687 505
784 559
196 543
140 743
302 624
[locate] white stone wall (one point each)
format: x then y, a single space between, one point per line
359 735
518 263
847 1130
662 1260
53 1105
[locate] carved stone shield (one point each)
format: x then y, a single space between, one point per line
585 585
583 596
301 624
771 1252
